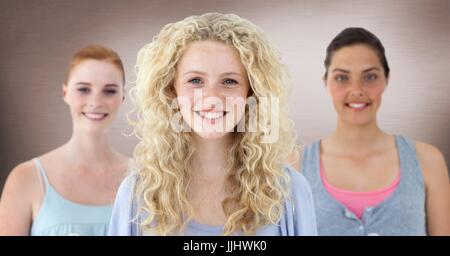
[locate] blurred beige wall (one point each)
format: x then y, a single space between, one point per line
38 38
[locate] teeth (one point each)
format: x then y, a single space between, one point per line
211 115
357 105
94 115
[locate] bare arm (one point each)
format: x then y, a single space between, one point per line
16 201
437 188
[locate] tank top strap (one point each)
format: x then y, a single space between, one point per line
407 150
409 162
41 172
310 162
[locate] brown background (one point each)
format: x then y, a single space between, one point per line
38 38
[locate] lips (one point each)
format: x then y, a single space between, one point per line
211 115
95 116
357 105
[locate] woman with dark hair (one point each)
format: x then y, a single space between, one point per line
365 181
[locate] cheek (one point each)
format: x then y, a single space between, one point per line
239 94
75 100
240 110
185 99
114 102
376 93
337 94
244 92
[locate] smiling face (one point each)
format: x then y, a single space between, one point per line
356 82
211 86
94 92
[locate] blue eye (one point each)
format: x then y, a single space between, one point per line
195 81
370 77
230 82
341 78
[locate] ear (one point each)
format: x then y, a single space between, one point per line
64 90
324 80
123 93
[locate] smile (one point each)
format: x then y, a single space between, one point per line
357 106
210 115
95 116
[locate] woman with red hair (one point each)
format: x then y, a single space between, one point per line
70 190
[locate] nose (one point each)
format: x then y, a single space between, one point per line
95 100
356 89
211 91
212 97
358 93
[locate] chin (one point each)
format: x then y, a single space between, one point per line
359 121
95 129
211 135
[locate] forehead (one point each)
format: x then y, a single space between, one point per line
96 71
211 56
355 56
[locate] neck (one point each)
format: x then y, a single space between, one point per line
356 139
91 148
210 157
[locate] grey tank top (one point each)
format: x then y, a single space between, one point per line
402 213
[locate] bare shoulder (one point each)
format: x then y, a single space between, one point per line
429 155
22 175
432 162
17 199
24 182
21 181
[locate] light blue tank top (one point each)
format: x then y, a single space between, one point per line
61 217
402 213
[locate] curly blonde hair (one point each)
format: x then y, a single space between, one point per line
257 184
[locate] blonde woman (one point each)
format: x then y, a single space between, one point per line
205 164
70 190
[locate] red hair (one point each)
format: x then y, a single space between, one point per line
96 52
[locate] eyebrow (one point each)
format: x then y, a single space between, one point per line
89 84
364 71
231 73
194 72
111 85
83 83
204 74
340 70
370 69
